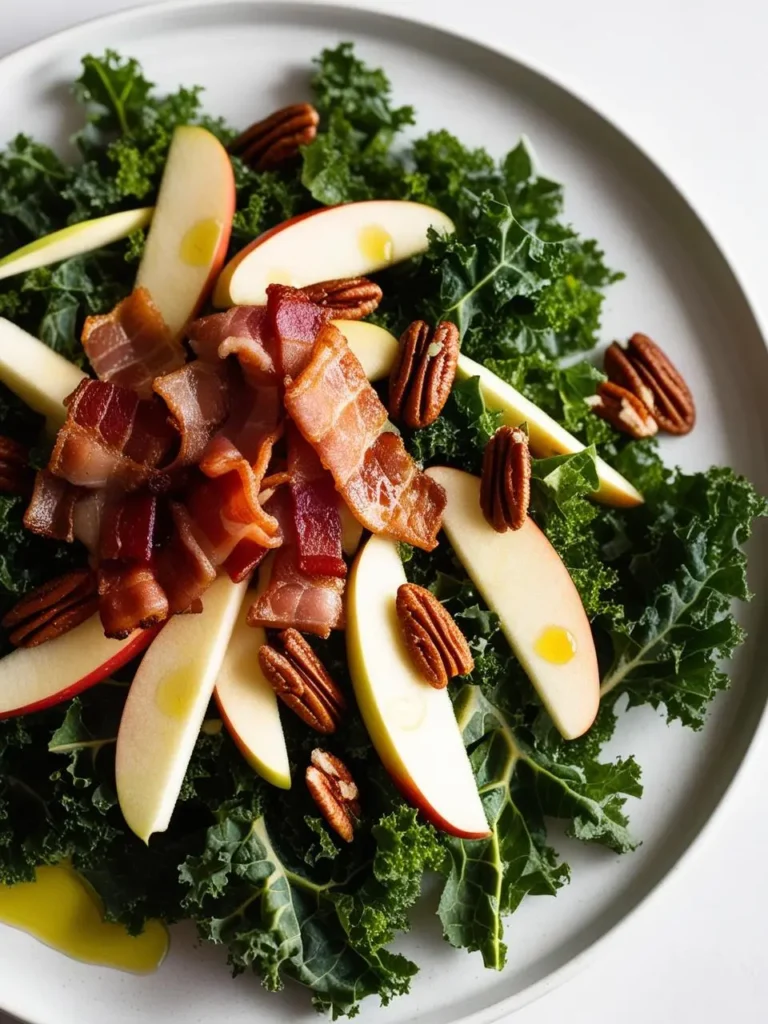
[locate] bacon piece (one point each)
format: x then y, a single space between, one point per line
182 568
129 597
128 529
315 508
111 437
132 345
295 323
312 604
255 413
340 414
243 332
51 510
197 397
246 556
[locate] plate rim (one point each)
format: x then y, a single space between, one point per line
147 10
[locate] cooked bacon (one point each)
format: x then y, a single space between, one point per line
51 510
242 332
128 529
246 556
312 604
315 507
255 413
340 414
182 568
295 323
197 397
132 345
130 597
111 437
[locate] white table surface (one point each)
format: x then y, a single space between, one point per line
688 80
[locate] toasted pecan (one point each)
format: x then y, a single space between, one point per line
53 609
624 410
505 488
645 370
423 374
333 789
276 139
435 643
345 298
301 681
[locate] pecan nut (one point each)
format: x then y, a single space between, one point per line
422 377
648 373
53 609
623 410
333 789
16 475
435 643
505 489
301 681
345 298
277 139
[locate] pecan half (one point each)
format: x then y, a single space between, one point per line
53 609
422 377
648 373
345 298
16 475
435 643
623 410
301 681
505 489
333 789
274 141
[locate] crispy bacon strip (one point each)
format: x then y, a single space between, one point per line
312 604
315 508
129 597
111 438
339 413
242 332
197 397
128 529
182 567
51 510
132 345
295 323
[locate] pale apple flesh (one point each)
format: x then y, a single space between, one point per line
374 346
191 227
546 436
166 706
334 242
74 241
38 375
34 678
248 705
411 724
524 581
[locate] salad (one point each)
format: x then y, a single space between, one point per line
332 544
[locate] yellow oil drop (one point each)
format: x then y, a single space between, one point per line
201 241
556 645
376 245
408 712
175 696
61 910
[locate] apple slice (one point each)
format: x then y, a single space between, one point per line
523 579
38 375
190 231
74 240
33 678
166 706
546 435
374 346
335 241
248 705
412 726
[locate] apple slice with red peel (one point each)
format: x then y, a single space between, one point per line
412 726
374 346
524 581
248 705
34 678
166 706
189 236
336 241
74 240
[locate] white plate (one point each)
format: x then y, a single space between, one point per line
253 58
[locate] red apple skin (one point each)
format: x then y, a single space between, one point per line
414 797
141 640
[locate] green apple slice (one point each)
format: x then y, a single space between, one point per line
412 726
546 435
248 705
523 579
38 375
74 241
166 706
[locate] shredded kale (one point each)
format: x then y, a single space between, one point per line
254 868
